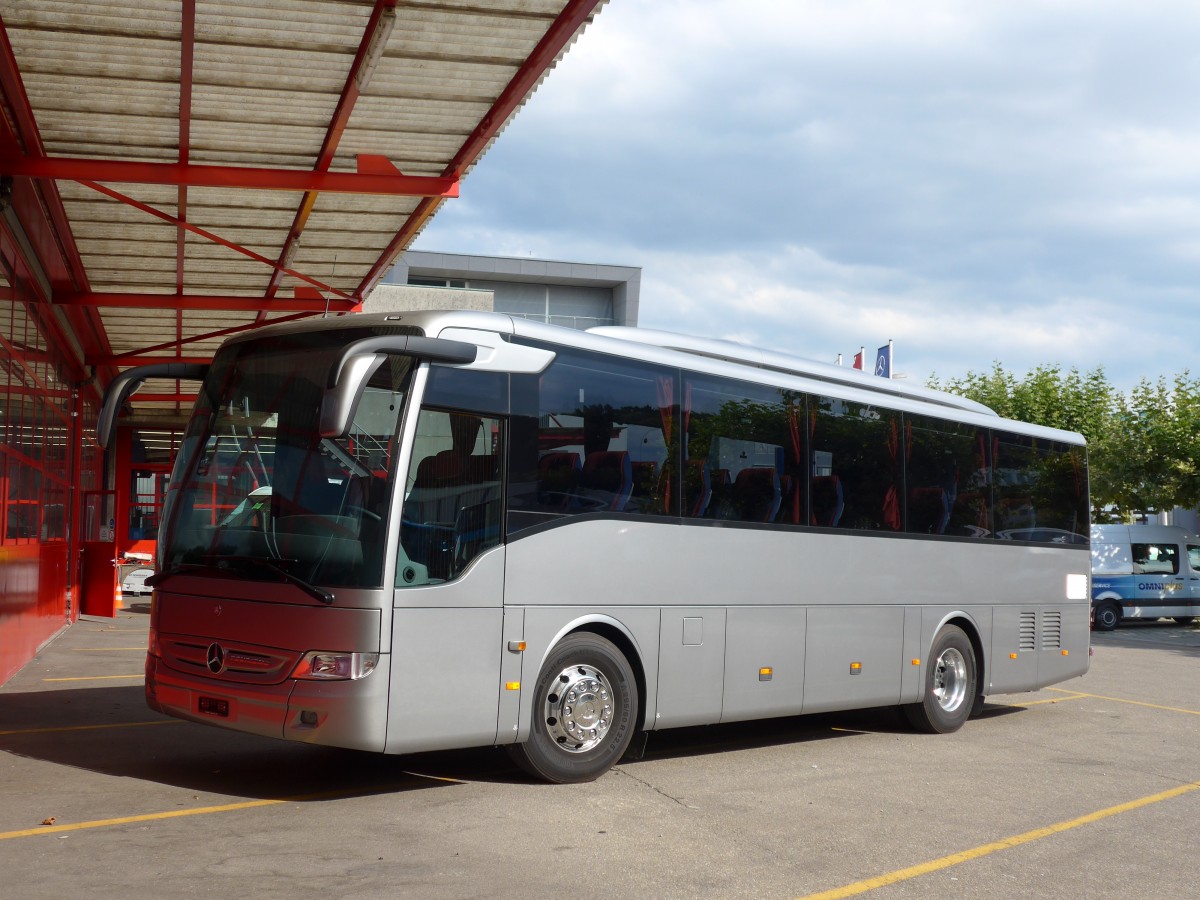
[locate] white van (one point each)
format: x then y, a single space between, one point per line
1144 572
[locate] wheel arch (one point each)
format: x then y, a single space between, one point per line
624 642
948 711
974 634
616 632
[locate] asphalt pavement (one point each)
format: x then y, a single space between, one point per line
1088 789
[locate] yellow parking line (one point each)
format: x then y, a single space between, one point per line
441 778
101 649
205 810
97 677
1190 712
127 820
119 630
60 728
870 884
1074 696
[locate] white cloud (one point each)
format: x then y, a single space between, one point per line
977 181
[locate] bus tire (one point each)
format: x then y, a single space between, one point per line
978 706
1184 620
1107 616
585 710
950 684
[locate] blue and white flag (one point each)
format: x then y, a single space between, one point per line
883 361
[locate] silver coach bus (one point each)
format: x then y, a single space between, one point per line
425 531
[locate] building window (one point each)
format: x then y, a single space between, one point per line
35 427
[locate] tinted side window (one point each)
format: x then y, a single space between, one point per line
946 478
452 496
1155 559
856 466
1040 490
743 452
604 432
466 389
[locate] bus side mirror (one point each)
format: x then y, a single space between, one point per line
128 383
349 374
339 400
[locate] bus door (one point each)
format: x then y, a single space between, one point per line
448 615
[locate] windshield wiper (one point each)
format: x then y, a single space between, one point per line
161 576
257 561
212 564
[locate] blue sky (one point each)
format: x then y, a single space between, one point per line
976 181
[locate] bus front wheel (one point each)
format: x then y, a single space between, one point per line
950 684
584 712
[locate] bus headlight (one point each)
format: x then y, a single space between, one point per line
331 666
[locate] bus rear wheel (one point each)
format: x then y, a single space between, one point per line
1184 620
585 708
950 684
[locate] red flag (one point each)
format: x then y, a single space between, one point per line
859 359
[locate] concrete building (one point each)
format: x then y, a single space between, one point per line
576 295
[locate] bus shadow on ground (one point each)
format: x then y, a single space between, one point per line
111 732
997 710
761 733
678 743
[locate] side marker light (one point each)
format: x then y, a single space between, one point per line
1012 656
765 673
855 668
916 662
512 685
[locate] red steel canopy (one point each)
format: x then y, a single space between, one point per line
179 170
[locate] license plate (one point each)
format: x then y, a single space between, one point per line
213 706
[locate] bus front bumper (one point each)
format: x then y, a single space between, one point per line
351 714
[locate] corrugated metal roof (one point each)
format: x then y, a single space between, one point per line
299 86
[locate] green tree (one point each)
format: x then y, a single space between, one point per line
1157 432
1045 396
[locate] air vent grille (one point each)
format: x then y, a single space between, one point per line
1027 639
1051 631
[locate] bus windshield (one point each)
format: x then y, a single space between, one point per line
258 492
